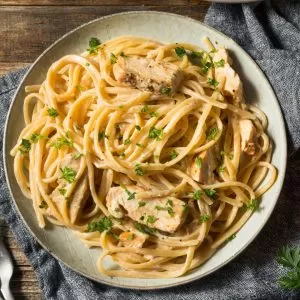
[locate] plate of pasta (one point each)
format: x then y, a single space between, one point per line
150 152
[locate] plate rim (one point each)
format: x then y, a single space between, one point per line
119 284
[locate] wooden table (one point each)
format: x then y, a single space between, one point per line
27 27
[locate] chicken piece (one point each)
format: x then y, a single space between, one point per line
233 85
166 214
203 166
248 137
129 239
80 192
148 75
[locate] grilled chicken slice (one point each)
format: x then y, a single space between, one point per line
248 137
233 85
203 171
166 214
148 75
80 192
129 239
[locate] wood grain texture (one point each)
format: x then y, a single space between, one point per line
27 27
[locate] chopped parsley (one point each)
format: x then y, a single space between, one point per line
211 193
140 145
145 108
62 191
180 51
165 90
87 64
144 229
151 219
155 133
35 137
137 127
130 195
25 146
212 82
219 64
222 168
52 112
94 45
252 205
232 237
197 195
77 155
158 207
170 202
138 170
122 54
127 141
153 114
199 162
142 203
171 211
130 237
68 174
204 218
173 154
104 224
102 135
212 133
43 205
62 141
122 154
113 59
142 218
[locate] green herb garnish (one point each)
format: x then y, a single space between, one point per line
204 218
153 114
68 174
151 219
35 137
52 112
113 59
232 237
104 224
199 162
145 108
197 195
62 191
77 155
212 133
138 170
219 64
155 133
43 205
210 193
180 51
252 205
173 154
142 203
165 90
102 135
25 146
127 141
62 141
94 45
130 195
144 229
137 127
212 82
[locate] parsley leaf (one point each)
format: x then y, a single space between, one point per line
212 133
204 218
155 133
197 195
35 137
127 141
62 141
104 224
212 82
68 174
138 170
219 64
130 195
102 135
77 155
170 202
137 127
52 112
232 237
171 211
199 161
25 146
165 90
252 205
145 108
173 154
144 229
62 191
151 219
180 51
210 193
185 208
43 205
290 257
94 45
153 114
113 59
142 203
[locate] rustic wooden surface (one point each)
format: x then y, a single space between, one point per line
27 27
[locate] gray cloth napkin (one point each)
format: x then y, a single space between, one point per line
271 34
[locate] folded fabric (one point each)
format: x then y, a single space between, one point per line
270 33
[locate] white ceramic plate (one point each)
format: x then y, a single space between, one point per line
167 28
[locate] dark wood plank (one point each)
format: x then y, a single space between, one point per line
48 23
96 3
